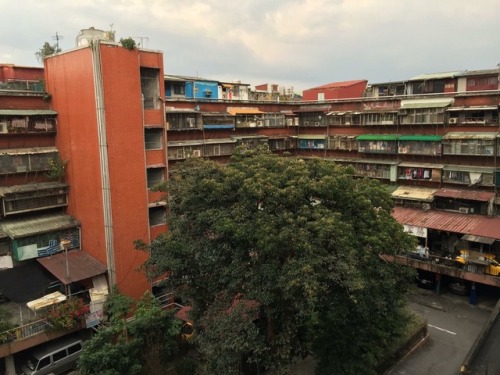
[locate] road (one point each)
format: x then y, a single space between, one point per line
453 326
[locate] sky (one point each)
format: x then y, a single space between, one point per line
293 43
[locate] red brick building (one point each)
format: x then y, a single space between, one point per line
111 115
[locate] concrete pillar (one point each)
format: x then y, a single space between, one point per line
10 368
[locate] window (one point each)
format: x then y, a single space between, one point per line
59 355
150 88
44 362
74 348
155 176
157 216
153 139
179 89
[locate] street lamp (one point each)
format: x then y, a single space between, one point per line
65 243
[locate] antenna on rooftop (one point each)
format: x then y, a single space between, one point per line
57 37
141 41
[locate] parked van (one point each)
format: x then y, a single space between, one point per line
54 357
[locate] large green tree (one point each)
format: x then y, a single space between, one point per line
138 344
281 257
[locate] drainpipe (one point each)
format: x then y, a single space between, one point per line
103 158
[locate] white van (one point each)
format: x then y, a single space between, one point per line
54 357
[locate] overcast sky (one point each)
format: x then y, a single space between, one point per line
299 43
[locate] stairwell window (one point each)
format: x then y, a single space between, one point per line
155 176
157 216
150 88
153 139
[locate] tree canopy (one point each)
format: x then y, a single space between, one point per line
279 258
46 50
141 345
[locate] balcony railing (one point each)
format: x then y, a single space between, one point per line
24 331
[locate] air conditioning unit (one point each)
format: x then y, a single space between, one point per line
463 210
3 127
348 123
452 121
196 153
306 122
316 123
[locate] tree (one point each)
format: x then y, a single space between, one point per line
302 239
142 344
46 50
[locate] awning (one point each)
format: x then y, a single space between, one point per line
227 85
421 165
244 111
414 193
33 225
473 108
218 126
470 135
311 136
46 301
28 151
377 137
465 168
219 140
480 239
80 266
423 138
426 103
27 112
342 136
333 113
194 142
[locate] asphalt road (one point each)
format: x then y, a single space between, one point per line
453 326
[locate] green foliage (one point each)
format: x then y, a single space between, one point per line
46 50
301 238
186 366
67 314
5 325
136 346
128 43
57 169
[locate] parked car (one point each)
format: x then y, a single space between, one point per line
55 357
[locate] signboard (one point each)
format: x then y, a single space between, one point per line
93 319
415 231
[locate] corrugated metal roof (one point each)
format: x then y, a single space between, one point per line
24 151
420 137
421 165
27 112
192 142
30 187
22 227
414 193
426 103
81 266
473 195
243 111
311 136
219 140
377 137
425 77
474 108
480 239
468 168
478 225
180 110
481 72
470 135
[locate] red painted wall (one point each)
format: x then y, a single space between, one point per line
71 82
354 90
12 72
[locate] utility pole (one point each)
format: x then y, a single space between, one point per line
57 37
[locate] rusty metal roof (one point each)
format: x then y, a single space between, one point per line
81 266
22 227
477 225
473 195
31 187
